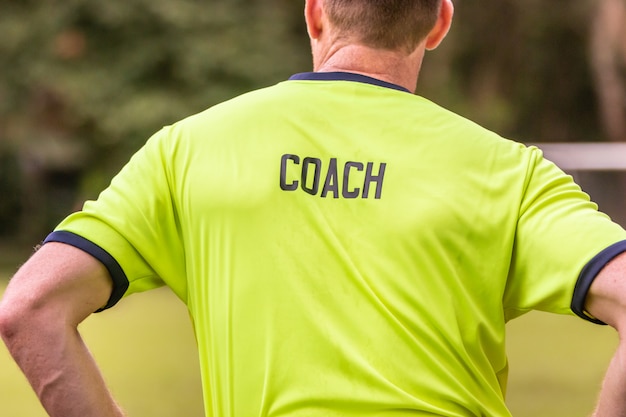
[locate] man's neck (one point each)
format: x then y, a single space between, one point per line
393 67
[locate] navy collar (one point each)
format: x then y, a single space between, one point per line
346 76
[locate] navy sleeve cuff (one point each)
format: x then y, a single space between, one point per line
120 281
588 274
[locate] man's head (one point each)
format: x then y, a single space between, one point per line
385 39
383 24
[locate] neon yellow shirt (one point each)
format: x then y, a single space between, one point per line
346 248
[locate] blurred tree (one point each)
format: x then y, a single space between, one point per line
125 68
607 46
527 70
83 84
608 60
520 68
10 200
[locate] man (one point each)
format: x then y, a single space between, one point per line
344 247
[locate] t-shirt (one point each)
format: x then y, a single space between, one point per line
346 248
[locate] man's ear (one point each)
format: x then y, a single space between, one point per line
444 21
313 13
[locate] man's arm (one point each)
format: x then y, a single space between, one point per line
607 301
43 304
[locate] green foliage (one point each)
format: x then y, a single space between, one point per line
520 68
84 84
122 69
10 201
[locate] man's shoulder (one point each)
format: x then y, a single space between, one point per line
259 100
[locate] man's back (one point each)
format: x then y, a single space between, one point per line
344 248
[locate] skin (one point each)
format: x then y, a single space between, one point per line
43 304
60 286
606 301
397 67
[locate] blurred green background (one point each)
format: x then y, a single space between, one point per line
83 84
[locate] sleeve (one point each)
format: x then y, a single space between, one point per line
561 243
133 228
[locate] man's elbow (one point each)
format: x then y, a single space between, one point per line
7 324
11 321
21 320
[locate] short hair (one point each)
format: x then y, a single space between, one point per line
384 24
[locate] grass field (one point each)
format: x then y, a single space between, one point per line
146 349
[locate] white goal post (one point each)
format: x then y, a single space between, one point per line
602 156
